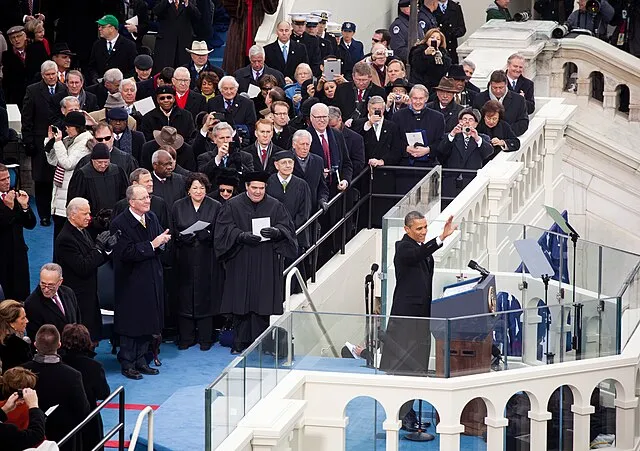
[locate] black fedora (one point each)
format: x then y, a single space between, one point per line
399 83
61 48
456 71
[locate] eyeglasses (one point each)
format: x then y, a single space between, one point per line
103 138
281 114
49 286
375 40
320 118
183 80
225 190
165 98
142 198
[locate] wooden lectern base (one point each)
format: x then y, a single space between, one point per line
468 357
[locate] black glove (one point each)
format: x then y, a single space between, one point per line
272 233
203 235
187 239
101 241
113 240
325 206
249 239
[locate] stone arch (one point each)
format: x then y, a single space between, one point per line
473 414
366 415
578 396
620 390
533 400
597 85
570 77
603 419
623 98
559 406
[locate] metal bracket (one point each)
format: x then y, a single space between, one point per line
382 275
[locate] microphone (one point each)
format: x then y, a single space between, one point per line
368 278
473 265
374 268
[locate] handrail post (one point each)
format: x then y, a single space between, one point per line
121 421
370 201
344 224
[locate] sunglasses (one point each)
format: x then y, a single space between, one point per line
104 138
165 98
375 40
225 190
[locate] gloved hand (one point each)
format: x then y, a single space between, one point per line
187 239
203 235
105 241
325 206
272 233
249 239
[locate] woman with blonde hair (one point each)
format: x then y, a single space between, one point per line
429 59
15 347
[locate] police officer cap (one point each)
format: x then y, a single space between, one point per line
256 176
143 62
282 155
298 17
403 3
312 21
348 26
165 89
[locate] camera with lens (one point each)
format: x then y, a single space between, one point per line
20 393
592 7
560 31
522 16
467 129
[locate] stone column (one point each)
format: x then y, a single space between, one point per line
538 434
634 112
610 103
495 432
581 425
392 427
450 436
625 422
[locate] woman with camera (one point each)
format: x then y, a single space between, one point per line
494 126
429 59
15 346
14 439
64 154
12 381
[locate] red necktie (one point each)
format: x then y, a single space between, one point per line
327 153
263 155
56 299
359 95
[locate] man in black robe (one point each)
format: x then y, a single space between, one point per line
102 183
248 257
138 281
166 184
15 215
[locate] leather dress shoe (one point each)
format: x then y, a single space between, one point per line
146 369
132 374
45 222
205 346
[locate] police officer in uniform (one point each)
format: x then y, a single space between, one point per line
350 51
426 19
399 30
325 45
451 23
323 17
312 43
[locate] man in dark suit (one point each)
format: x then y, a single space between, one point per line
251 74
186 98
220 151
515 107
139 295
446 104
51 302
58 384
15 215
143 177
36 112
75 87
383 144
284 54
110 84
282 131
310 167
167 113
407 345
20 63
237 110
61 55
451 22
350 51
311 43
175 32
111 51
128 141
518 83
199 63
80 257
263 150
354 142
352 97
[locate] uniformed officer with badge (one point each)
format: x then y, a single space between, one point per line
299 35
312 29
350 51
399 29
322 33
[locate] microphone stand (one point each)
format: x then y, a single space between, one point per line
545 281
368 304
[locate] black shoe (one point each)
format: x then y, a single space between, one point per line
409 425
132 374
205 346
45 222
146 369
183 347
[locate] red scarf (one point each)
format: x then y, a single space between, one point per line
182 101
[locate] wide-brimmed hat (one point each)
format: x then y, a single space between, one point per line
447 85
398 83
74 119
168 136
61 48
199 48
114 101
456 71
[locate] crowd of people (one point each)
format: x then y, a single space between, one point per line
183 185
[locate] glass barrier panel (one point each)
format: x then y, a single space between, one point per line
630 307
236 391
218 424
618 266
253 375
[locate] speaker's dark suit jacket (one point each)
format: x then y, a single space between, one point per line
80 260
41 310
525 85
339 156
257 162
346 99
313 174
121 57
244 76
297 53
515 110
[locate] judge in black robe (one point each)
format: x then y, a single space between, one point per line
199 274
247 258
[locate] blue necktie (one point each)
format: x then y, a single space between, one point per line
52 90
109 47
284 53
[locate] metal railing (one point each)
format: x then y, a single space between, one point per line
146 412
119 428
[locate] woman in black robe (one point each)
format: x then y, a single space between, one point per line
199 275
493 125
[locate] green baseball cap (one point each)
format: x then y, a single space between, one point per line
108 20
